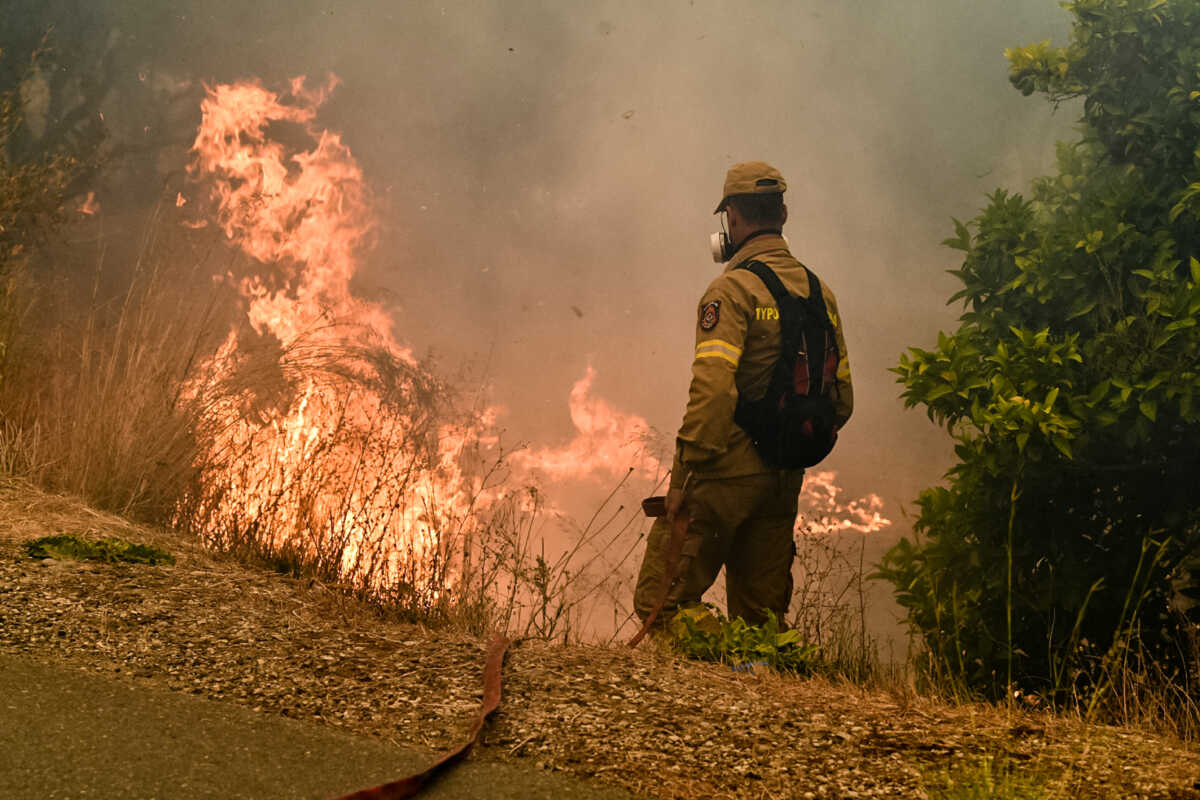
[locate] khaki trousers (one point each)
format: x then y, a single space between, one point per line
743 524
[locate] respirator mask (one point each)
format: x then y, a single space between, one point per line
721 244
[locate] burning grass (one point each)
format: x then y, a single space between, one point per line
141 407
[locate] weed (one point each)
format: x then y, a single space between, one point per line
108 549
829 603
703 632
990 779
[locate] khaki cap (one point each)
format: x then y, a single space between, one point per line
751 177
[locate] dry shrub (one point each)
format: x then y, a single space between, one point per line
829 602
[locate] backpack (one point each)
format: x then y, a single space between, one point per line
792 426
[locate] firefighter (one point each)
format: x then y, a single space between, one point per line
742 512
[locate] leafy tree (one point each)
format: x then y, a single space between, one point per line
1072 386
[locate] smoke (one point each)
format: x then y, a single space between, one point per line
545 173
551 171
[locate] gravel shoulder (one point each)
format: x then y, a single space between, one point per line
643 721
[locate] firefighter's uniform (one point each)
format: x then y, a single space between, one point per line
742 512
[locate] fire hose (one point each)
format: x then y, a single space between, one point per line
411 785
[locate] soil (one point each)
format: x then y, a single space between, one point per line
644 720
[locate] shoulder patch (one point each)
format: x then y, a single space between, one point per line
709 314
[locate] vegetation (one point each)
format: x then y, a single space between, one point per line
704 633
1050 560
109 549
992 779
33 189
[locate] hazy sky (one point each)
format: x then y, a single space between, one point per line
535 161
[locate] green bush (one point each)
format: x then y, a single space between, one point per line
1071 385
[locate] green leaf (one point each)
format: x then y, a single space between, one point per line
1087 309
787 638
1063 446
938 391
1116 341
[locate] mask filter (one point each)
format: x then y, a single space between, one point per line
722 247
720 244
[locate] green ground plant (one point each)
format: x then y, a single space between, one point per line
109 549
706 634
1066 533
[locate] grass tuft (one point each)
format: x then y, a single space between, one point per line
992 778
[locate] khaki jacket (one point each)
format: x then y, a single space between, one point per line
737 345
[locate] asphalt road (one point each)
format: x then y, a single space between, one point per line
67 733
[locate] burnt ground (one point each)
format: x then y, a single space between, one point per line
643 720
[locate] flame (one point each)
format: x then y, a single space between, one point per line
310 208
350 457
822 512
607 444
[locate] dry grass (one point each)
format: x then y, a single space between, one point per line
121 392
91 400
829 607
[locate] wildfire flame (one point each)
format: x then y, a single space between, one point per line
351 458
90 207
309 210
607 444
822 512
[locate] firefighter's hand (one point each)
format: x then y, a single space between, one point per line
674 503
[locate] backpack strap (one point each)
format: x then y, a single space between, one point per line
811 329
814 292
779 291
769 279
